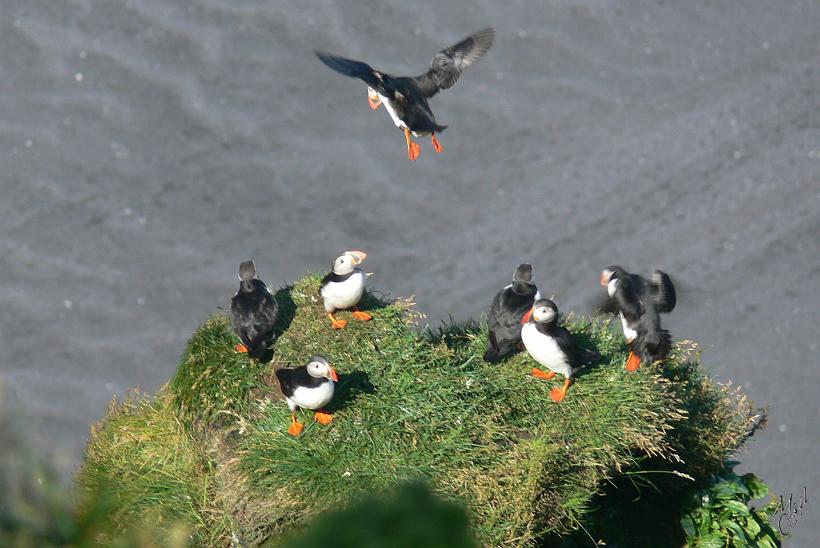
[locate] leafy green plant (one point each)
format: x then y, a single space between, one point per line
719 516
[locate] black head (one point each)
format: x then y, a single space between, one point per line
614 272
319 367
523 273
544 311
522 279
247 271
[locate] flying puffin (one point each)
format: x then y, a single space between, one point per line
343 287
405 97
552 346
509 306
309 386
639 302
253 313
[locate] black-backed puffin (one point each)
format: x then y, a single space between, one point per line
309 386
639 303
405 97
552 346
509 306
253 313
343 287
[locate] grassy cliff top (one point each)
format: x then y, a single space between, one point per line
210 453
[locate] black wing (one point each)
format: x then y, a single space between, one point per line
357 69
446 66
664 296
287 380
577 355
328 278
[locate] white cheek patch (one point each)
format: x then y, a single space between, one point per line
612 286
544 314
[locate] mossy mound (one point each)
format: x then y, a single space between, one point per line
409 405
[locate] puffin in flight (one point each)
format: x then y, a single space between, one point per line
343 287
509 306
552 346
405 97
639 302
309 386
253 313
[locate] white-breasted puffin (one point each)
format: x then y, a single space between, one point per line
509 306
253 313
639 302
405 97
343 287
309 386
552 346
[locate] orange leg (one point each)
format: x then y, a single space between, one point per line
374 102
557 394
436 144
633 362
361 316
323 417
295 426
537 373
337 324
241 348
413 148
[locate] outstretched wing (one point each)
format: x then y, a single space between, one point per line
663 290
356 69
446 66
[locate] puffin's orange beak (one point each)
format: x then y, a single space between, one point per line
358 256
604 278
333 375
526 319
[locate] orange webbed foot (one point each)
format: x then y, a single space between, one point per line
362 316
558 394
413 150
323 417
633 363
295 427
437 145
336 323
538 374
374 103
241 348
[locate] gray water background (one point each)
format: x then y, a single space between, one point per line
147 147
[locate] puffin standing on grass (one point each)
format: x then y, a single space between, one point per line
309 386
509 306
552 346
405 97
253 313
639 302
343 287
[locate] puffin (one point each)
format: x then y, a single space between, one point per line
405 97
639 303
552 346
509 306
253 313
343 287
308 386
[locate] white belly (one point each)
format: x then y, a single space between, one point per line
312 398
392 112
629 333
544 350
346 294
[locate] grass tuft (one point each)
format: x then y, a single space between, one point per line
410 406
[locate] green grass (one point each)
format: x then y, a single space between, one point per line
214 446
